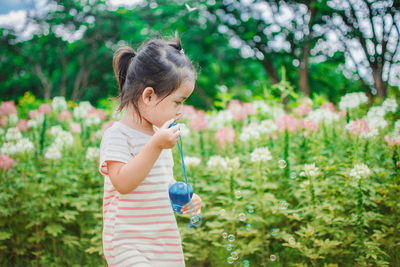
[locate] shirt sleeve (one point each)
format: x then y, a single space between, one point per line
113 147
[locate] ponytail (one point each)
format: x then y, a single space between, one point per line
121 61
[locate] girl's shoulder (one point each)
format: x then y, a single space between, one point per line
120 130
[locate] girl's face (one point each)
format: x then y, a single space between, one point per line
157 110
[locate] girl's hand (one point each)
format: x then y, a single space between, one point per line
196 200
165 137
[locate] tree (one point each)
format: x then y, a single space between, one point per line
374 26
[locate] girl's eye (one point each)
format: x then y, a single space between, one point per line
178 103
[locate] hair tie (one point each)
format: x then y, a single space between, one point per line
182 51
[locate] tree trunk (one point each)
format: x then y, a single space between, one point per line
303 77
380 85
44 80
270 70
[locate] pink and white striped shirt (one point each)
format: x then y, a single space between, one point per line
139 228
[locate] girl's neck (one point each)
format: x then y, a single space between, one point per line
134 122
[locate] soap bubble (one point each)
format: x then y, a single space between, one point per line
242 216
230 260
228 247
231 238
248 227
282 163
246 263
238 194
291 241
274 231
283 204
235 255
250 209
292 175
272 257
224 235
196 220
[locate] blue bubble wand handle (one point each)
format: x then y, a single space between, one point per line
195 221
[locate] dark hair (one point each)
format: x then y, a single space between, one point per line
159 63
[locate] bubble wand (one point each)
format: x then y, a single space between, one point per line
181 193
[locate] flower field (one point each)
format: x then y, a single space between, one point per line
318 185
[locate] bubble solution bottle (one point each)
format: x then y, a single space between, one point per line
179 195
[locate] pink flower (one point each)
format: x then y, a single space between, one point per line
303 109
309 124
65 115
328 105
287 122
6 162
7 108
3 121
75 127
249 108
98 112
188 111
225 134
342 113
45 108
358 126
107 125
199 122
237 109
23 125
34 113
392 141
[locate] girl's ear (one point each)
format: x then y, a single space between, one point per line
148 95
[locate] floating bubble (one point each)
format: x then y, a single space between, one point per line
282 163
222 212
272 257
196 220
283 204
291 241
228 247
292 175
238 194
242 216
250 209
248 227
302 174
230 260
235 255
231 238
246 263
274 231
224 235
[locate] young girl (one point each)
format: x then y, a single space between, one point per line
136 157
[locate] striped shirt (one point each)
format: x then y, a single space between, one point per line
139 228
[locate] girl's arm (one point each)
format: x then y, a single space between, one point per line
125 177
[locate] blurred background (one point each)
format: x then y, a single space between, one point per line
322 48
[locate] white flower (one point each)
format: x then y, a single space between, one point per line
217 162
376 112
82 109
352 100
32 124
2 131
277 112
8 149
323 115
371 133
390 105
55 130
92 153
233 164
192 161
216 120
185 131
360 171
311 170
53 152
59 104
92 119
256 130
12 119
261 107
64 139
13 134
98 134
261 154
24 145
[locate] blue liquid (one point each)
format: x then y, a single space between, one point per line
178 194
